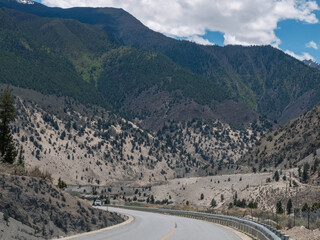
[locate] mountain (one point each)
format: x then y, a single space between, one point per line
138 83
189 115
311 63
264 78
289 146
168 124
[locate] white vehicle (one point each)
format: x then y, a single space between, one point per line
97 202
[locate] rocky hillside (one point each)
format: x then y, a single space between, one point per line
216 143
287 146
31 208
90 145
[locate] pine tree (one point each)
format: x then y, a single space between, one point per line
213 203
152 199
8 151
305 173
279 208
276 176
305 207
289 207
201 196
21 157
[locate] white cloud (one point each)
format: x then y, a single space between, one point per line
304 56
246 22
312 44
199 40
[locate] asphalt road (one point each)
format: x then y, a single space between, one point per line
153 226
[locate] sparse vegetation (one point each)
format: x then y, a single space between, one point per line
40 202
61 184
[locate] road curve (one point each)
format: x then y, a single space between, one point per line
154 226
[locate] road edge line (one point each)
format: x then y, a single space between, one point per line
129 220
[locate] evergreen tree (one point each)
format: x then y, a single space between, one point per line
201 196
235 199
21 157
305 173
305 207
276 176
289 207
222 197
213 203
253 204
7 115
279 208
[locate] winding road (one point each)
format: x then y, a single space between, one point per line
149 226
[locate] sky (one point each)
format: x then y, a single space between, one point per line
290 25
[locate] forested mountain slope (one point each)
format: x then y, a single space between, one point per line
264 78
87 65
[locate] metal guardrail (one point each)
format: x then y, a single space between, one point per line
257 230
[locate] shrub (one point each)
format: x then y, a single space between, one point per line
201 196
213 203
61 184
276 176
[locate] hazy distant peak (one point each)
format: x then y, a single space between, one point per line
311 63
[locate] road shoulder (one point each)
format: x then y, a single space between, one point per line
242 235
128 221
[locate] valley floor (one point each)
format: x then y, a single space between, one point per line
199 191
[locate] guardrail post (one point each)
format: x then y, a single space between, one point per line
285 237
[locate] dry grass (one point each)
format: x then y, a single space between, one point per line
37 173
17 170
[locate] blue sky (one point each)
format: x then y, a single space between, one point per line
295 36
291 25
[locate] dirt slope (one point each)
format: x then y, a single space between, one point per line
34 209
